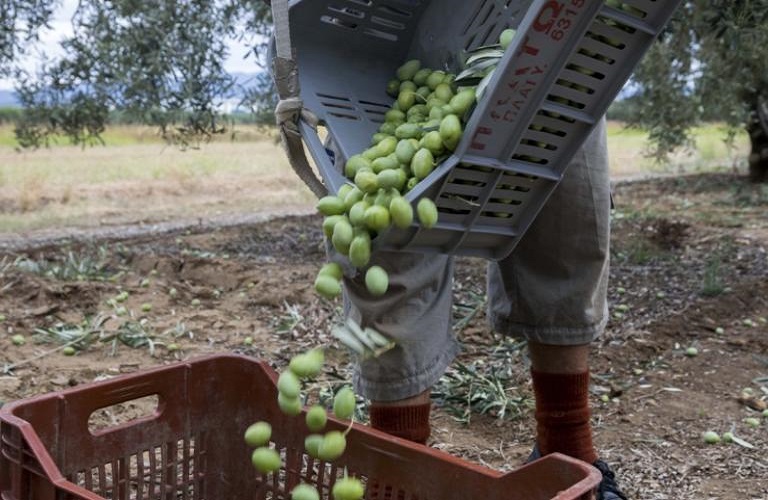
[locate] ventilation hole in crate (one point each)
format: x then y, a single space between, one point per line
470 21
598 57
547 130
489 18
347 11
564 101
575 86
374 113
556 116
506 201
615 24
334 97
467 182
456 204
510 187
488 13
338 106
133 471
468 175
585 71
98 478
366 3
345 116
631 10
156 459
79 479
387 23
530 159
394 11
467 200
611 42
377 104
539 144
497 215
312 469
469 43
475 24
385 492
515 177
451 211
324 474
488 39
500 212
380 34
335 21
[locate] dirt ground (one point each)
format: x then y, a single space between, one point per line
689 269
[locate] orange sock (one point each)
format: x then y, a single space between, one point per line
409 422
562 414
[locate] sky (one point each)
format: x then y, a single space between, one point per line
61 27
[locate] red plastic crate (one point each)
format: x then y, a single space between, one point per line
191 447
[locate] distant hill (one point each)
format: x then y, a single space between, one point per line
8 99
245 79
8 96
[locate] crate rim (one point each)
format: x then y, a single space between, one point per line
52 471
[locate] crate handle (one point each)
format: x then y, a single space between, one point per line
290 109
145 415
330 173
169 386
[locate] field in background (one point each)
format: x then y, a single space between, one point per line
627 151
136 178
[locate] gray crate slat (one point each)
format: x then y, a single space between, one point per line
348 50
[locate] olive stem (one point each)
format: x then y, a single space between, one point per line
349 427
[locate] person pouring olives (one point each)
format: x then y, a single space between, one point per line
551 291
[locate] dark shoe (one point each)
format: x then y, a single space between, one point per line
607 490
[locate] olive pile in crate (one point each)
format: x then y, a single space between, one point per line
421 129
327 446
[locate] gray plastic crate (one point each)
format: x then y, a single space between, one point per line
523 132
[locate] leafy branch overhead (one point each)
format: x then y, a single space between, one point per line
160 63
711 63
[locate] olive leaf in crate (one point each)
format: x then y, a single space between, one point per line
481 63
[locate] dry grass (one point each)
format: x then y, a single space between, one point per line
151 182
138 178
628 148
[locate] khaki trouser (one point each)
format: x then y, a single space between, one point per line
551 289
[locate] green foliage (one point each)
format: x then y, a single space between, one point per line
262 99
20 23
72 266
159 63
9 115
710 62
623 110
712 284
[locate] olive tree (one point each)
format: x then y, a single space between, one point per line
711 62
20 24
159 63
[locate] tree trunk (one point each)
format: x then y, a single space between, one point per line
758 135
